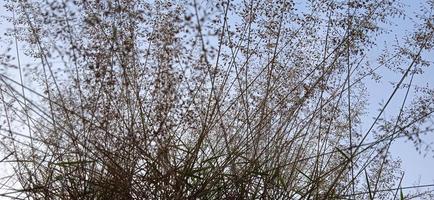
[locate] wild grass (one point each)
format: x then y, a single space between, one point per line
206 100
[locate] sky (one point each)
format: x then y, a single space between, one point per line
418 167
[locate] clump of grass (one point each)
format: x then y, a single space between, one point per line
185 100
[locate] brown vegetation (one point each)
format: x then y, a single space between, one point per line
216 99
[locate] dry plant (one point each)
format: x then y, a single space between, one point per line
223 99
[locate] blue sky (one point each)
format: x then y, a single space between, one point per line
418 167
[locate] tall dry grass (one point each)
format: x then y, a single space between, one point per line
207 100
